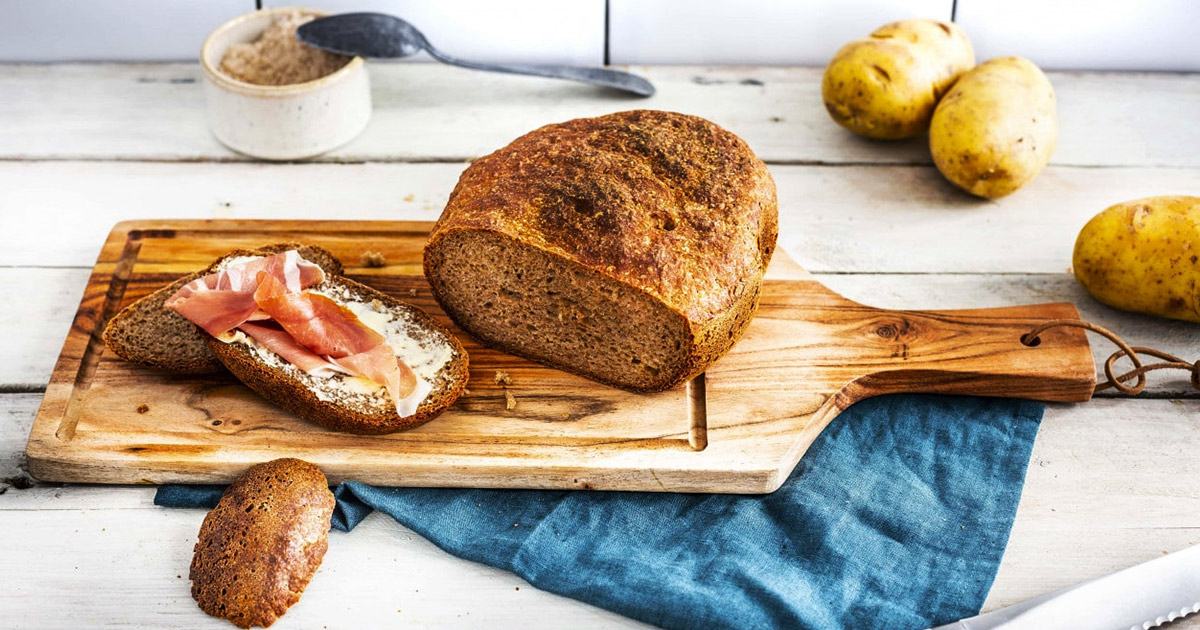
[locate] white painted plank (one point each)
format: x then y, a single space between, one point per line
1109 487
132 30
102 568
37 324
1156 35
1111 484
750 32
911 220
512 31
429 111
37 205
16 419
834 219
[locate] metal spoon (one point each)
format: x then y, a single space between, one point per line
385 36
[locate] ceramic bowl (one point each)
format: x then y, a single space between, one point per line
281 122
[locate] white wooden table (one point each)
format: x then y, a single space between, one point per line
1112 483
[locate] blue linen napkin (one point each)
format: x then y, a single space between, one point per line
895 518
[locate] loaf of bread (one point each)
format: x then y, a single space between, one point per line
262 543
628 248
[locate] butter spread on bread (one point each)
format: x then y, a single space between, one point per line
291 317
347 403
326 348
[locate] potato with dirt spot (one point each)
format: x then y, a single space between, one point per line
1144 256
997 127
887 85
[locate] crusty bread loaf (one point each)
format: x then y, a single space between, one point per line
628 248
325 400
262 543
147 334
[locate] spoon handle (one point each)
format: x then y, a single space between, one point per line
597 76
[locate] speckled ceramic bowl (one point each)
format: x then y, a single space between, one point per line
284 122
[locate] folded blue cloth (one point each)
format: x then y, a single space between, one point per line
896 518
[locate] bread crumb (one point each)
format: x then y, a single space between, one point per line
372 258
466 392
412 293
278 58
143 408
502 378
510 401
408 198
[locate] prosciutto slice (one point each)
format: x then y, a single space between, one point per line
265 299
277 340
333 331
220 302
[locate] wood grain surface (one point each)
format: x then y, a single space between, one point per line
808 355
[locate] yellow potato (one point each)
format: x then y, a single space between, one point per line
886 86
996 128
1144 256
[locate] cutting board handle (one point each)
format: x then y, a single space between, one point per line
976 352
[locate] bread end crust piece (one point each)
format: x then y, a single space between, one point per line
260 546
149 335
628 248
290 389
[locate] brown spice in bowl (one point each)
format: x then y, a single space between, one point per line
278 58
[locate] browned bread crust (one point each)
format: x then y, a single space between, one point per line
147 334
659 216
262 543
290 388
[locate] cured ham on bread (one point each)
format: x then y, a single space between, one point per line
324 347
218 302
313 332
145 333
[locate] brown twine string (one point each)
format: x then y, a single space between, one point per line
1169 361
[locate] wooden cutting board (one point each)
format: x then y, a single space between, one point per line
808 355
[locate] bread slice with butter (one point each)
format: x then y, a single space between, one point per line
349 403
149 335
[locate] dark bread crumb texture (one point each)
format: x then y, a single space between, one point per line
149 335
292 389
627 248
262 543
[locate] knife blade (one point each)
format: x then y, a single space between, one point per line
1137 598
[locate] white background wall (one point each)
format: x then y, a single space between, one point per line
750 32
1159 35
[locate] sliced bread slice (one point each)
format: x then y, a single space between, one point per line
351 404
147 334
